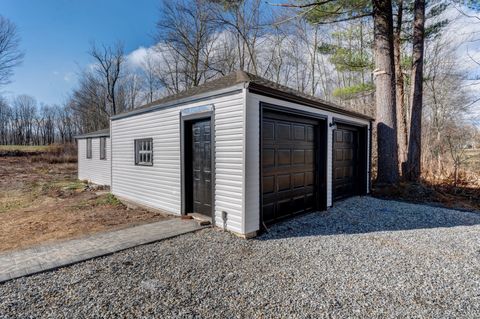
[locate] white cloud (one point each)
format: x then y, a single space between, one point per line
137 57
68 76
464 33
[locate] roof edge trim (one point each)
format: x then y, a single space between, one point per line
194 98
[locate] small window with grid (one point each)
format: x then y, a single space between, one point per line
144 152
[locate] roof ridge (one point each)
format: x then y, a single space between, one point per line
243 76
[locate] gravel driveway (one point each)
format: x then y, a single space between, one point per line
364 258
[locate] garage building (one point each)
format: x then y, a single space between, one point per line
242 150
94 156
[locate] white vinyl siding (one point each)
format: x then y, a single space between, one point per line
159 186
252 182
94 169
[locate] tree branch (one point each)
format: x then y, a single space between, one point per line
307 5
358 16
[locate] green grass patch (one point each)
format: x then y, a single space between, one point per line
107 199
61 185
71 186
7 204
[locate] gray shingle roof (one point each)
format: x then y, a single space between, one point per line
254 83
99 133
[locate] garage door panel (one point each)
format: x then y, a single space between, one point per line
282 130
309 156
298 157
268 131
298 203
294 169
299 180
299 132
338 136
268 157
338 155
283 182
310 134
284 206
268 184
346 162
283 157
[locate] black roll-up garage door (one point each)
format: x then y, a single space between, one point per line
349 161
289 169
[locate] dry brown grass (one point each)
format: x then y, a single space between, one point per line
55 153
463 196
42 202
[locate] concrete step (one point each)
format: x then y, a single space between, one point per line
202 220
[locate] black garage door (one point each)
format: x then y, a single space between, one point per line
348 161
289 171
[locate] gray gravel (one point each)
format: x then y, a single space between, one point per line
364 258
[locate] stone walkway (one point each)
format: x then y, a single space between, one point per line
51 256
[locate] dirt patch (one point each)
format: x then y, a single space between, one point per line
43 202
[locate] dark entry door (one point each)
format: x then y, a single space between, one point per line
289 170
345 162
202 167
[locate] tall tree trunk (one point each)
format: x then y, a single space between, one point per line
416 93
384 77
402 131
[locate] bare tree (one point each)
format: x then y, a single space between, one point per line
5 121
458 139
10 53
130 90
24 114
90 103
108 65
149 71
186 38
446 101
45 121
65 123
243 19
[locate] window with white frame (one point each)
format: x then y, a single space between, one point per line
89 148
103 148
144 152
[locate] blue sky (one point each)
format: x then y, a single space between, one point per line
56 35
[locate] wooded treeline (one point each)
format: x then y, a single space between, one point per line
24 122
324 48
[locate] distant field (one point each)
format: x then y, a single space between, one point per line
24 148
472 153
473 159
